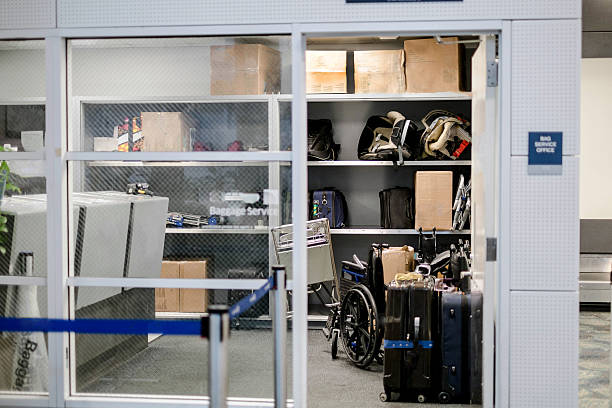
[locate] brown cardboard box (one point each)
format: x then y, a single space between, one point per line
165 132
193 300
397 260
434 200
244 69
167 300
432 67
379 71
325 71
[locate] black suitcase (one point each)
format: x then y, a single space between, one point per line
235 295
454 322
411 362
396 208
475 346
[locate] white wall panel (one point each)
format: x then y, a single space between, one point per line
545 228
22 73
27 14
109 13
545 81
595 163
544 352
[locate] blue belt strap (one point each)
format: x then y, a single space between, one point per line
102 326
402 344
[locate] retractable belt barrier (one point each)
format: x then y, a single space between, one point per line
214 326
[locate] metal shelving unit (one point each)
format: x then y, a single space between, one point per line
417 97
383 231
365 163
222 230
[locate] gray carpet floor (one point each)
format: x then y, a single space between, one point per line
594 380
178 366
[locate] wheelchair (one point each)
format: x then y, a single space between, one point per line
356 319
357 307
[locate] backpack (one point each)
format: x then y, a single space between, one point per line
445 136
321 144
391 137
329 203
396 208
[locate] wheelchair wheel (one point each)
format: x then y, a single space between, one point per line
359 326
334 345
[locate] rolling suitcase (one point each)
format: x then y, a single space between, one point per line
454 321
411 373
474 351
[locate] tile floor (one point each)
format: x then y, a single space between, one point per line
594 391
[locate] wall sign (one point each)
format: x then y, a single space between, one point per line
545 153
396 1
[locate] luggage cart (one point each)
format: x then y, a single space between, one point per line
353 316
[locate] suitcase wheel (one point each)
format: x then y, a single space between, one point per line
334 345
421 398
444 398
383 397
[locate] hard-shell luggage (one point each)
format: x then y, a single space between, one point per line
411 365
474 352
235 295
396 208
331 204
454 322
375 276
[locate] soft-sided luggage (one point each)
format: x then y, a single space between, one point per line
411 365
391 137
474 353
396 208
321 144
329 203
454 322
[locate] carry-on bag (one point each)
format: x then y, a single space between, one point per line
474 353
454 339
376 277
446 135
329 203
321 144
396 208
411 374
391 137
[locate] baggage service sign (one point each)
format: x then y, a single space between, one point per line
545 153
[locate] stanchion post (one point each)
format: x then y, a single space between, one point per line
218 338
279 328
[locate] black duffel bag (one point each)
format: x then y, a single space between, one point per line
396 208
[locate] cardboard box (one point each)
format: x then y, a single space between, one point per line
434 200
167 300
193 300
244 69
326 72
379 71
397 260
432 67
163 132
